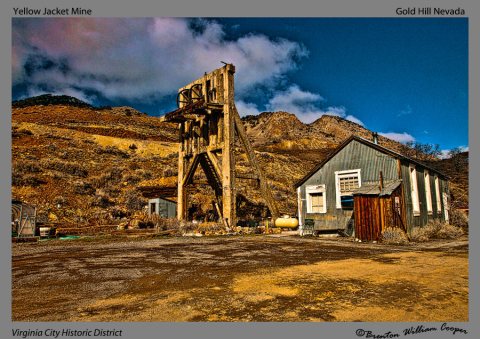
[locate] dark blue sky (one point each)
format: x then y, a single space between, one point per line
404 76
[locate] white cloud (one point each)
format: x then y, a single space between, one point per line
338 111
147 58
400 137
141 58
246 108
445 154
293 98
305 105
354 119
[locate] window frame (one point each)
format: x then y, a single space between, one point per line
438 198
316 189
341 174
412 170
446 207
428 192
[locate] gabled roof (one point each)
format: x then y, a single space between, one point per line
366 142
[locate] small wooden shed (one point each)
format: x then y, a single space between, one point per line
377 206
163 207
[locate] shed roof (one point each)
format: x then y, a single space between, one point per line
162 198
373 188
366 142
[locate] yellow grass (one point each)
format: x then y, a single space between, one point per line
144 147
163 182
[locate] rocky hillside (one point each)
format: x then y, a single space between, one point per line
84 165
282 130
49 99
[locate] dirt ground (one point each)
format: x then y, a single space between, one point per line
249 278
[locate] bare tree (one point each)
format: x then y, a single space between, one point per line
458 161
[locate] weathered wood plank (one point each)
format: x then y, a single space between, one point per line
264 188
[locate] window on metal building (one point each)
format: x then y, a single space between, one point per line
316 199
414 190
346 183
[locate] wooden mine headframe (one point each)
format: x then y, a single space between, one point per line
208 124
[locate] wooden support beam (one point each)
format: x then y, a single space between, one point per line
248 176
215 148
228 159
215 106
211 174
219 211
181 192
191 171
264 188
201 182
214 161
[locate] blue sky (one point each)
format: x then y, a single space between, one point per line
406 78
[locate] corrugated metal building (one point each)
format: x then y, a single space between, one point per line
163 207
358 169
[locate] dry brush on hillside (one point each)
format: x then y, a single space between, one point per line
81 165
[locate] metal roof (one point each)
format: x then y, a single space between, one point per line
373 188
366 142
